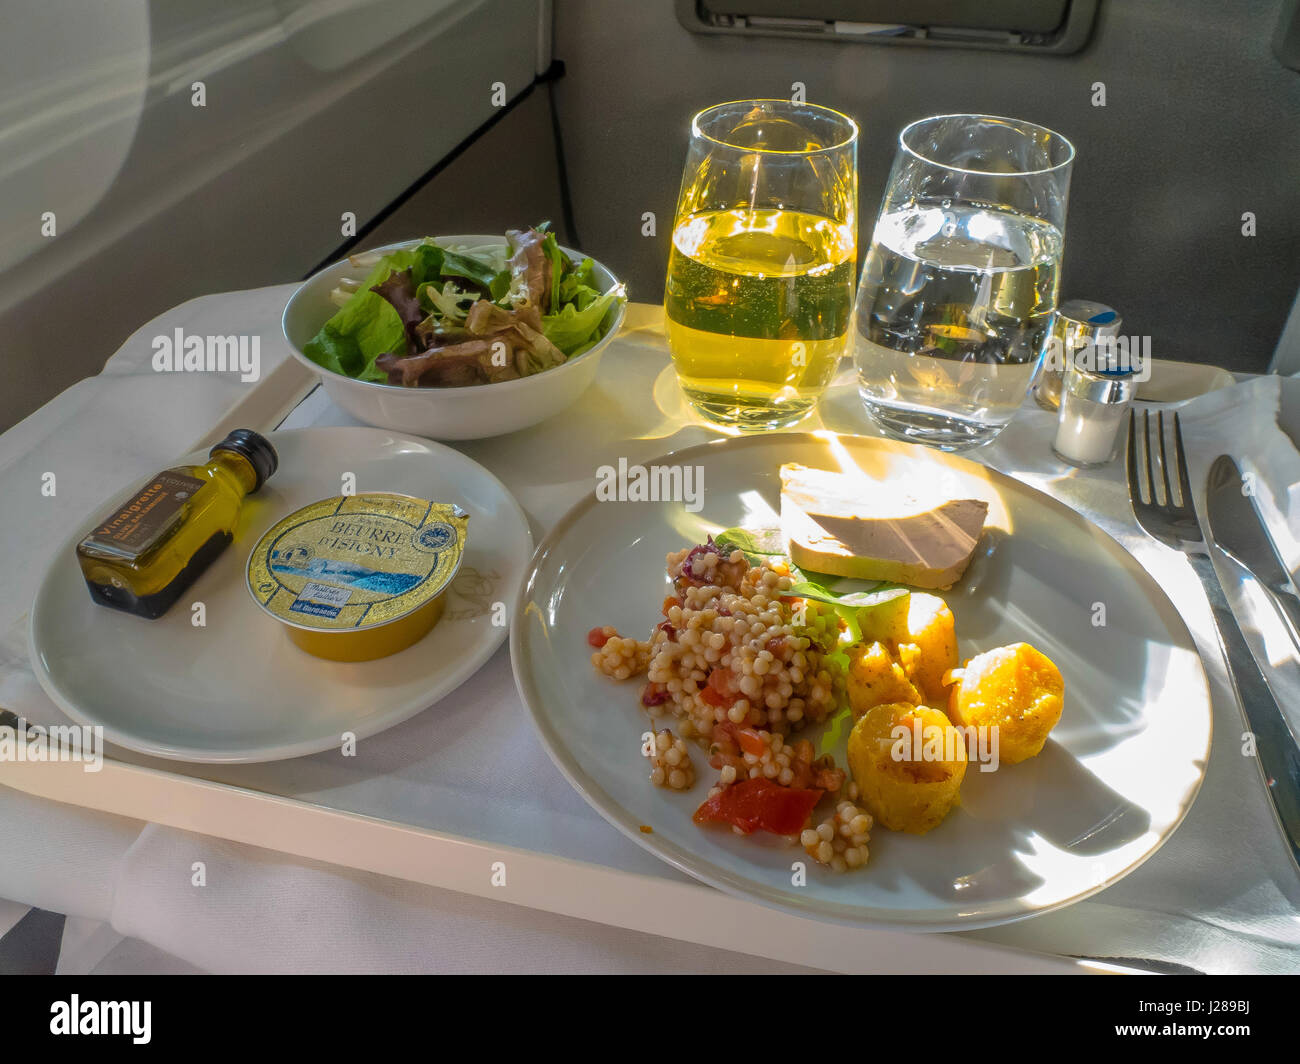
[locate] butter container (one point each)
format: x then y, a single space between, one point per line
358 577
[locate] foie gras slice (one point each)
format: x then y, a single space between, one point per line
850 525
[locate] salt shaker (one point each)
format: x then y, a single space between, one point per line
1076 324
1095 397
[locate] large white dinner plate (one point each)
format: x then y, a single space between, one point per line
238 689
1120 771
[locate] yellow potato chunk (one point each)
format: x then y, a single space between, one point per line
887 621
908 762
1017 690
875 678
923 640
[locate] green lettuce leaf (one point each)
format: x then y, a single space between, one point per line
757 545
573 330
833 736
578 285
850 605
366 325
337 353
447 301
557 258
500 286
455 264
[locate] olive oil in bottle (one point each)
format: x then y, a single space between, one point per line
144 555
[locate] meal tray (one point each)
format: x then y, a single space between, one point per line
402 811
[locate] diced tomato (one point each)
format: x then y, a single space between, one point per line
733 736
724 730
597 638
670 602
722 747
654 694
760 805
719 689
828 777
751 741
667 628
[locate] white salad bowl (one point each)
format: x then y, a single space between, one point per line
465 413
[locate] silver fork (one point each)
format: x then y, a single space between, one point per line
1172 521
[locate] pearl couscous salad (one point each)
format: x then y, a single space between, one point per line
750 659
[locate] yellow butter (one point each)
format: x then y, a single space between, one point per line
358 577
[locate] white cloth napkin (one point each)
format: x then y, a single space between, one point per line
1262 454
1220 896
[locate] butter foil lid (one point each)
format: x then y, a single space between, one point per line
357 561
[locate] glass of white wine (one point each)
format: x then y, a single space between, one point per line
761 270
960 283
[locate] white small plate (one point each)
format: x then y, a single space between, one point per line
237 689
1118 775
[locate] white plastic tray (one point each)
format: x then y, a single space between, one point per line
464 792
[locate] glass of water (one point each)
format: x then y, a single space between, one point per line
961 280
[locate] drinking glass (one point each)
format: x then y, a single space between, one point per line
961 280
760 276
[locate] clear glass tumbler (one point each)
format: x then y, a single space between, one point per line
760 274
960 282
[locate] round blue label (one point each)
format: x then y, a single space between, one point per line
437 536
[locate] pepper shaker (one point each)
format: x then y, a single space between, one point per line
1076 324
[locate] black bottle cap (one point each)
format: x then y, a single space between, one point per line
256 448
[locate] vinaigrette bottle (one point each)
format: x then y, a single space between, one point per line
144 555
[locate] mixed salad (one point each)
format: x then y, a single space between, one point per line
442 316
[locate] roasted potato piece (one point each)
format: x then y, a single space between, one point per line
876 678
1016 689
908 762
886 622
923 641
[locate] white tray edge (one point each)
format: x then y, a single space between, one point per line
658 906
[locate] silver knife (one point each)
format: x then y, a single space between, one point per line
1240 532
